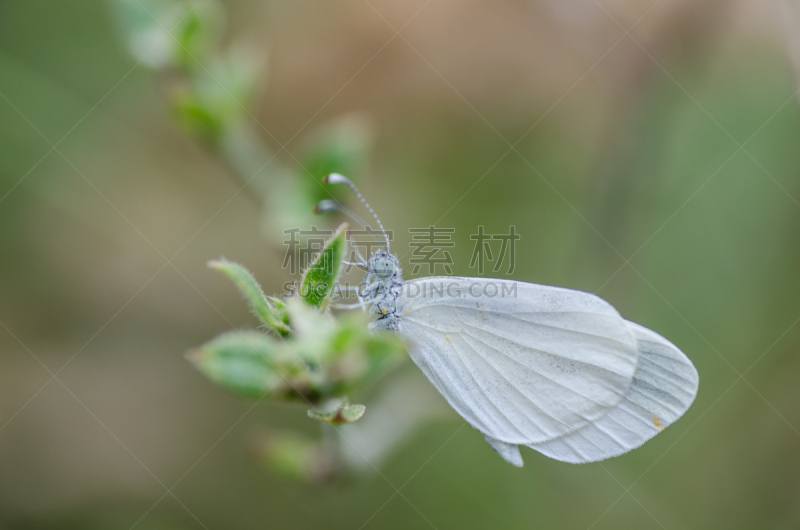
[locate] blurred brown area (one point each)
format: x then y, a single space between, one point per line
655 161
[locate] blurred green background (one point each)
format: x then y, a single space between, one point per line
675 146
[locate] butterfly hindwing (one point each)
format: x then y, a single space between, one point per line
664 386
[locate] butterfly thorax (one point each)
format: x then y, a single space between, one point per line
382 286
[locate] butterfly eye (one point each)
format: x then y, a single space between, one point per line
383 267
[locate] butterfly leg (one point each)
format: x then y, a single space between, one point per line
355 305
359 255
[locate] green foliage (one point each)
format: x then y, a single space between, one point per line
322 360
271 311
341 146
246 363
169 34
198 33
196 117
344 412
319 358
216 96
213 90
144 24
307 356
343 354
321 275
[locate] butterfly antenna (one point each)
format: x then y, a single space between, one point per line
330 205
336 178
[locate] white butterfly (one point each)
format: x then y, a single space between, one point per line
554 369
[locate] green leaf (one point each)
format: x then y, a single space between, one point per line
165 34
308 323
340 146
320 277
198 33
346 355
271 311
246 363
343 413
281 316
213 103
144 23
352 413
197 118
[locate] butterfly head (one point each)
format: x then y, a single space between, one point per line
383 265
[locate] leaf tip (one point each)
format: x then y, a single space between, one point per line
216 264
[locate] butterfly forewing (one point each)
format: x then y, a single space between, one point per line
523 363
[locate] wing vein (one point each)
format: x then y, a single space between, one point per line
515 316
525 346
483 389
467 403
562 385
664 368
515 387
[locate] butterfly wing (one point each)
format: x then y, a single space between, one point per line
664 386
522 363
